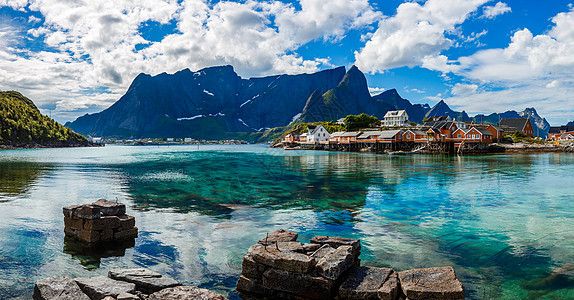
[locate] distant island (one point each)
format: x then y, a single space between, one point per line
23 126
217 104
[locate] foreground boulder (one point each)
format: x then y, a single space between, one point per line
146 281
122 284
64 288
101 287
184 293
431 283
366 283
279 267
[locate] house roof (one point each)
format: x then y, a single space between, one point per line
516 124
352 133
558 129
336 134
396 113
484 131
416 132
388 134
367 134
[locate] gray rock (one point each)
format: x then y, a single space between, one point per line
84 211
127 296
110 208
251 286
281 259
431 283
302 285
185 293
390 289
323 251
53 288
364 283
250 268
100 287
335 242
310 248
145 280
333 264
280 235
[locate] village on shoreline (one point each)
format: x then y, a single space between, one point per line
397 135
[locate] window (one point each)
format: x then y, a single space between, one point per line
459 135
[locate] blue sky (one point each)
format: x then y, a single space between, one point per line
77 57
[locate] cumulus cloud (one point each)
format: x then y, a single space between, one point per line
417 33
376 90
533 70
96 44
527 56
461 89
500 8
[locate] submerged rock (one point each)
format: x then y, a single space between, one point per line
63 288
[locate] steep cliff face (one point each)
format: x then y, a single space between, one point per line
351 97
187 103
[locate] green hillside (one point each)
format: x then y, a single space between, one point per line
22 125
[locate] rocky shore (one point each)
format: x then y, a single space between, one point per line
120 284
279 267
533 148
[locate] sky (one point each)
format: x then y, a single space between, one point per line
73 57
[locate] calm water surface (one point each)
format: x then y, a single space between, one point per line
504 222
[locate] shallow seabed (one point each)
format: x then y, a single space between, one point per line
504 222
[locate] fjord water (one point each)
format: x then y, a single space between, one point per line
504 222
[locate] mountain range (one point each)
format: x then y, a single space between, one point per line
216 103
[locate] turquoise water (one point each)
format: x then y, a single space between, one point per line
504 222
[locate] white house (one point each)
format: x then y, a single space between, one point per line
396 118
315 134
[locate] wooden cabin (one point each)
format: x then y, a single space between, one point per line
555 133
521 125
291 138
416 136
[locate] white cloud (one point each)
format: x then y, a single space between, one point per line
530 71
14 4
94 42
414 34
500 8
376 90
553 84
462 89
527 56
550 103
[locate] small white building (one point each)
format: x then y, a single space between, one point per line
396 118
315 134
